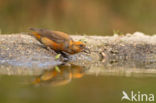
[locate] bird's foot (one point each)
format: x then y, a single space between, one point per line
66 57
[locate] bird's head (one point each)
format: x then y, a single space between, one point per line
78 46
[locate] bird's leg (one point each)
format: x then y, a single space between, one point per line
64 55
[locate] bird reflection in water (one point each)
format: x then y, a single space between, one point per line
55 78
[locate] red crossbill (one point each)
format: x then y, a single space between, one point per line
58 41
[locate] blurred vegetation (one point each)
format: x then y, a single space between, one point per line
92 17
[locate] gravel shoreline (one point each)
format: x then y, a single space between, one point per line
130 51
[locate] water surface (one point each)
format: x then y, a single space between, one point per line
71 84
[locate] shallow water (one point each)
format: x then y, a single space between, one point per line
71 84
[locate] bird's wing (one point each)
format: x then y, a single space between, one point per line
56 36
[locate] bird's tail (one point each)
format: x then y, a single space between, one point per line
35 33
34 29
38 30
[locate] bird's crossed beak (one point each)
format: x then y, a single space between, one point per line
86 50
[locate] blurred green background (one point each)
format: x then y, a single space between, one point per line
93 17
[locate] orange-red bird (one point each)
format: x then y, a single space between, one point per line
58 41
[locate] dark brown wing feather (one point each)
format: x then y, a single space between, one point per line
58 37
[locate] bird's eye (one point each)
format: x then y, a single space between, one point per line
81 45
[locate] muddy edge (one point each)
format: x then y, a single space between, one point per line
131 50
